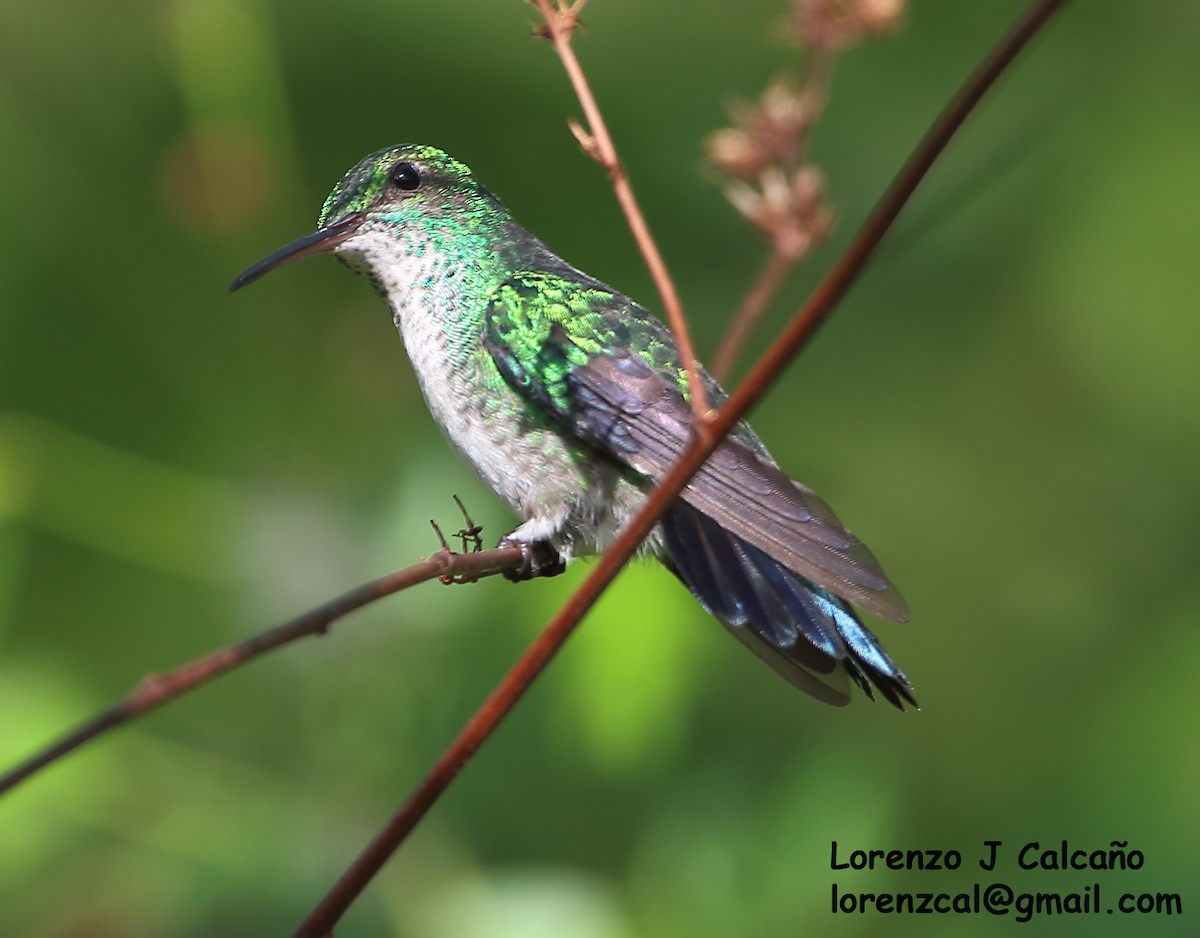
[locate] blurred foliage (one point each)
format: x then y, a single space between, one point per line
1005 409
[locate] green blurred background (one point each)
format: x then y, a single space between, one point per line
1005 409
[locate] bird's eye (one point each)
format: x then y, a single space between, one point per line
405 176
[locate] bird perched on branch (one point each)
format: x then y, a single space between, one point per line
569 401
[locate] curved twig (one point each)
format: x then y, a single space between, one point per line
157 689
560 22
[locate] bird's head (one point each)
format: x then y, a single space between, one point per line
416 193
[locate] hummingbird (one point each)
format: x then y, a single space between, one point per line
569 401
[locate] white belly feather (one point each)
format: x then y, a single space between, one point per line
561 492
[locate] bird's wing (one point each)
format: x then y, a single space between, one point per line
609 373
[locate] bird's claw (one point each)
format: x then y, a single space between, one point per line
538 558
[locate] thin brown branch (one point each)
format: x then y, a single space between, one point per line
754 305
802 327
156 690
560 21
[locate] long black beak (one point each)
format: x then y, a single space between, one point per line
321 241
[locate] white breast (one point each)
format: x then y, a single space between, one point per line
532 467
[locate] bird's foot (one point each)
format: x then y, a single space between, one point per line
538 558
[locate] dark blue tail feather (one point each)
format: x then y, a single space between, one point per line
802 630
